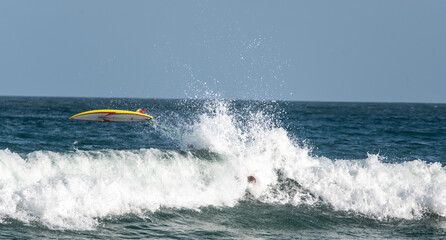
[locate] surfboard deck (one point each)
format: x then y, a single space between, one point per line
111 115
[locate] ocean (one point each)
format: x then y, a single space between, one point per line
323 170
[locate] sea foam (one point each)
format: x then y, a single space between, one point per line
74 190
366 186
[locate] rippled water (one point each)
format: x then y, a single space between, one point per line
323 170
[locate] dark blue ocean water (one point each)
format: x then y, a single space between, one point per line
323 170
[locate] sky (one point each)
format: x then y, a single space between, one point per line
360 51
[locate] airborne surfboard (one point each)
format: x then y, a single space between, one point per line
110 115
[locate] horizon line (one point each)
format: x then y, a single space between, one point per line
231 99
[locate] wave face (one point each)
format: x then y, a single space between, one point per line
76 189
72 190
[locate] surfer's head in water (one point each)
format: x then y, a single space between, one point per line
252 179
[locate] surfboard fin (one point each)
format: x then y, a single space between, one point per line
140 110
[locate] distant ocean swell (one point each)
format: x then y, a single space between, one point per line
76 189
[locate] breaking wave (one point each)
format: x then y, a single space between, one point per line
74 190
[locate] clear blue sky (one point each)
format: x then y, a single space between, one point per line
380 51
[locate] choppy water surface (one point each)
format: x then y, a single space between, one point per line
323 170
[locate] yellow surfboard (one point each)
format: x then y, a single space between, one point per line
110 115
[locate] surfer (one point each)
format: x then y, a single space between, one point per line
252 179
